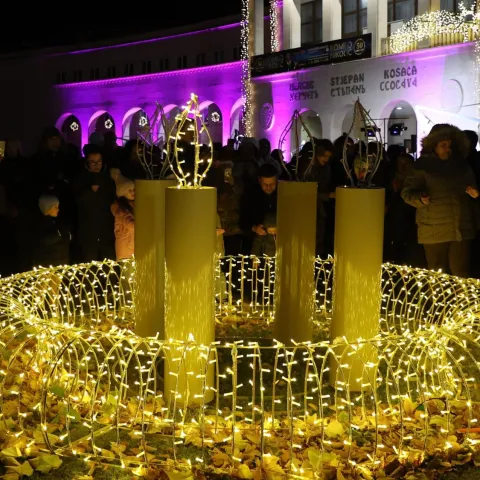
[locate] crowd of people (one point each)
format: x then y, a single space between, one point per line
62 207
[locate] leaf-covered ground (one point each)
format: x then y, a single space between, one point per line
229 444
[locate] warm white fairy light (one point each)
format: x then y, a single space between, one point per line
477 59
71 367
434 23
74 126
143 121
477 74
245 55
215 117
189 123
274 33
108 124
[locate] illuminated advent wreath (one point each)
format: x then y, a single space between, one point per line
75 381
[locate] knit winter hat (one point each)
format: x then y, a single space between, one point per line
122 183
51 132
252 141
47 202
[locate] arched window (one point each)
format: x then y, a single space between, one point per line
402 10
354 17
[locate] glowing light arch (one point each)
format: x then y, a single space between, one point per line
128 128
61 120
71 133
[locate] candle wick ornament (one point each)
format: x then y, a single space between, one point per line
369 153
186 133
296 125
150 143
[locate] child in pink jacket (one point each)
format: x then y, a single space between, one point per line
123 211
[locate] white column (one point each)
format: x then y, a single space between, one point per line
357 291
377 24
332 20
292 26
259 39
150 257
295 269
190 256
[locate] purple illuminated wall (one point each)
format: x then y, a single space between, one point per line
219 84
438 83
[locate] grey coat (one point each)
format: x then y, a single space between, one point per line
450 215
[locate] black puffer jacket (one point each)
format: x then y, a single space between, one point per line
50 240
450 215
95 220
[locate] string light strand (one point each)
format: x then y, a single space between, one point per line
274 26
190 125
432 24
245 55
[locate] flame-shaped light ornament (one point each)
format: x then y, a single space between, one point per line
186 131
296 123
149 142
370 148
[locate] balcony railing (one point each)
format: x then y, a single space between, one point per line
434 29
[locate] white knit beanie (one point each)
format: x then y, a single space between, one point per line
122 183
47 202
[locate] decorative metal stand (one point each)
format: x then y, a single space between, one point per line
296 123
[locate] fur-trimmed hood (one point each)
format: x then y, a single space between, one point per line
444 131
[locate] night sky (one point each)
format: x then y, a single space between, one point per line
52 28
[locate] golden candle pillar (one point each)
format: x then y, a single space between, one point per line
190 258
150 256
295 261
359 222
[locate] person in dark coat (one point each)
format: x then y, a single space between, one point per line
401 246
473 158
94 193
51 171
441 188
259 207
49 237
321 173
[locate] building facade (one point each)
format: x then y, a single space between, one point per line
110 86
406 95
115 86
